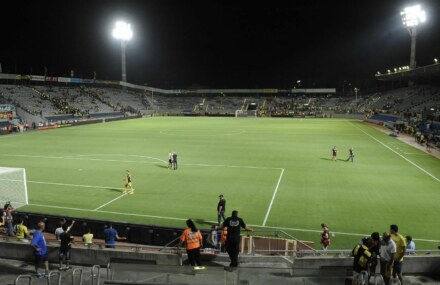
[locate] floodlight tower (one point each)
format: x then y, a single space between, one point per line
411 18
123 32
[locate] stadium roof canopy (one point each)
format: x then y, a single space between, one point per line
411 74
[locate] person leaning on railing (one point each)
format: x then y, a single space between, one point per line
110 236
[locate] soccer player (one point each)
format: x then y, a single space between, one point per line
334 153
350 154
128 183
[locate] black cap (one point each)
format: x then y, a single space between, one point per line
220 196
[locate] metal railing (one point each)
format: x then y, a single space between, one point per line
281 235
97 275
54 273
80 270
25 276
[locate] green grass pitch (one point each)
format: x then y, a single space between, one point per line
255 163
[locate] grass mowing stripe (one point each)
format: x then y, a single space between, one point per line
420 168
108 212
81 157
273 197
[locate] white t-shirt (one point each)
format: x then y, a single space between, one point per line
386 249
58 231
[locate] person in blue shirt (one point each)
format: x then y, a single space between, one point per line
110 236
40 250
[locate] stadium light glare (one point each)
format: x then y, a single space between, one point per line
123 32
412 17
435 60
395 69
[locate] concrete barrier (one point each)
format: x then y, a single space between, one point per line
303 266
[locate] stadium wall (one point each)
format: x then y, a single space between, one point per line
304 266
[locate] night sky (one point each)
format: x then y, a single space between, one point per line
216 44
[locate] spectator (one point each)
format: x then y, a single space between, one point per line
192 238
40 250
212 239
110 236
362 258
8 219
66 239
223 235
400 242
387 255
59 230
325 237
375 251
21 231
88 237
234 224
411 247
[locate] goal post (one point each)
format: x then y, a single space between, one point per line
13 186
246 113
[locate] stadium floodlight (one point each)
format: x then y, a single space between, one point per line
123 32
412 17
389 71
435 60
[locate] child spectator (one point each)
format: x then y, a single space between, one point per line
21 231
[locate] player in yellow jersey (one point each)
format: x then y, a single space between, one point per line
128 183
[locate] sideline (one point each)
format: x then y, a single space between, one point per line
213 222
383 144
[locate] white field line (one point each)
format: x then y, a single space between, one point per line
109 212
420 168
103 205
182 134
62 184
231 166
79 158
136 161
213 222
82 157
273 198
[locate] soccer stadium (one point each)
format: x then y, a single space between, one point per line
331 178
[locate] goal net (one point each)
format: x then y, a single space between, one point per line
13 186
245 113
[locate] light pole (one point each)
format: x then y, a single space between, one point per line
123 32
356 90
411 18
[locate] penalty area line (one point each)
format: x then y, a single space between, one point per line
273 198
103 205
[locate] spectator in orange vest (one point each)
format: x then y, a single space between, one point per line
192 238
223 239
